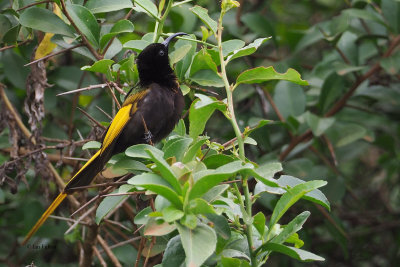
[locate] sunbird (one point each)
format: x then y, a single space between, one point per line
147 115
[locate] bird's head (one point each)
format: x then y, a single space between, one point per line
153 63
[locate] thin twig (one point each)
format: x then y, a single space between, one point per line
34 4
68 220
77 221
108 251
125 242
53 54
114 96
98 255
95 86
105 113
85 205
123 194
14 45
92 119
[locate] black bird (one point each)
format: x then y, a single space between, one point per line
147 116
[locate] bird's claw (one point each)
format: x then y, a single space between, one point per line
148 137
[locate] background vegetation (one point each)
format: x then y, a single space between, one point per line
343 128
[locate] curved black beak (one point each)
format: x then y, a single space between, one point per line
166 42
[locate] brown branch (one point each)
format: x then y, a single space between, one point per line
89 243
58 179
53 54
113 96
92 119
14 45
108 251
34 4
84 39
98 255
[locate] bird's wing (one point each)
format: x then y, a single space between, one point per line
129 107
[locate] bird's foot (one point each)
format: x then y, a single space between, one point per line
148 137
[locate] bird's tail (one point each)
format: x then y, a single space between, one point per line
44 217
83 177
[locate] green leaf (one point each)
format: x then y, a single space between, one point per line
203 60
126 165
165 170
220 225
99 6
263 74
5 25
158 185
258 24
109 203
259 222
177 147
202 13
293 227
207 180
171 214
217 160
143 216
346 133
248 49
215 192
364 14
315 196
174 254
121 26
391 64
139 151
200 111
147 7
290 99
194 148
199 243
295 253
179 54
137 45
200 206
233 262
391 12
44 20
91 144
292 196
101 66
207 78
156 228
86 22
318 125
189 220
230 46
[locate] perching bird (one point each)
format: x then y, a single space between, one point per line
146 116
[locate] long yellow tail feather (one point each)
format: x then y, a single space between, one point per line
44 217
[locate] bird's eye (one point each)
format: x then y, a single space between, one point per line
161 53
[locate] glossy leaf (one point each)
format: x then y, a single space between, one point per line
263 74
101 66
202 13
292 227
198 243
44 20
99 6
158 185
86 22
248 49
147 7
295 253
122 26
292 196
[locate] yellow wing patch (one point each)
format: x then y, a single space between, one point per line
117 124
134 98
